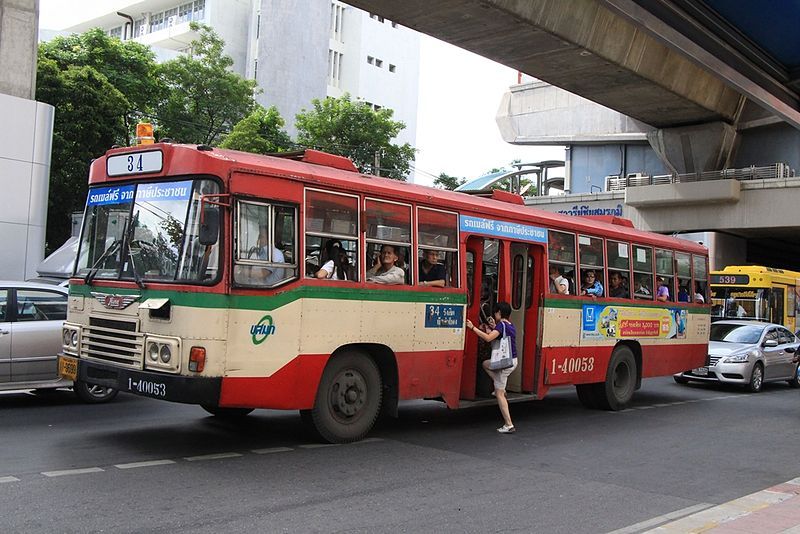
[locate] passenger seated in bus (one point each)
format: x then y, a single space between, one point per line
698 294
558 284
271 275
683 293
385 270
616 287
431 272
591 286
337 266
662 293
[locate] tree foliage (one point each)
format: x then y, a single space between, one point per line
204 98
260 132
353 129
99 87
445 181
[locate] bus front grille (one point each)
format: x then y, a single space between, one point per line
114 341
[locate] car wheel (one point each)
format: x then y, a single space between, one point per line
227 413
756 378
795 380
92 393
680 379
348 398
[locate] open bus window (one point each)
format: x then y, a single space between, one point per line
665 274
590 250
642 272
683 267
437 236
561 252
700 264
331 223
265 244
389 223
619 264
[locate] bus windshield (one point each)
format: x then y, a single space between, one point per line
146 231
740 302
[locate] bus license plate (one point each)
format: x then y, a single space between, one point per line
700 371
68 368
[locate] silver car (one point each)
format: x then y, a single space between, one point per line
748 353
31 315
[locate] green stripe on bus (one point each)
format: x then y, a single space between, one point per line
272 302
577 304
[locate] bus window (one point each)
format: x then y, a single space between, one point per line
665 275
331 221
470 277
619 265
437 237
776 305
590 250
642 272
388 223
262 230
489 277
700 279
529 284
683 266
561 252
517 274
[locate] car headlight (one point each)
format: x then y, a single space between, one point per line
165 353
152 352
741 358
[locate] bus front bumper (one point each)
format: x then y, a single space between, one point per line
174 388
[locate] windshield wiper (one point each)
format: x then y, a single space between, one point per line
95 268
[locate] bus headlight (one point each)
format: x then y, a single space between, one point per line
70 339
165 353
162 354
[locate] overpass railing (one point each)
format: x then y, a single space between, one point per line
776 170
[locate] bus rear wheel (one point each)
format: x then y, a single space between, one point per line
348 399
617 391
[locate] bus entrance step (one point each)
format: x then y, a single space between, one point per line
491 401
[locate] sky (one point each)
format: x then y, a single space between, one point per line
459 96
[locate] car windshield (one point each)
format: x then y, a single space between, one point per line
149 231
736 333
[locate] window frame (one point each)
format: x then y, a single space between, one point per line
599 270
360 246
627 271
236 260
455 276
575 289
634 272
409 276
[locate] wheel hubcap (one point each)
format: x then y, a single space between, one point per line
348 394
757 378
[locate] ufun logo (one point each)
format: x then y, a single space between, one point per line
261 330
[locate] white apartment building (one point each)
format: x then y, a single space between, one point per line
296 50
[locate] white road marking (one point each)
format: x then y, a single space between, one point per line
318 445
3 480
367 440
150 463
67 472
272 450
218 456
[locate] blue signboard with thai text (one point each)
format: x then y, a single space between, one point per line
521 232
444 316
100 196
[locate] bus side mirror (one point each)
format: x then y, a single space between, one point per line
209 228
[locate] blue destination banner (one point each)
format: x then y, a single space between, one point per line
522 232
164 192
100 196
444 316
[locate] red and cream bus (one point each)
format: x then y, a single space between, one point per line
195 282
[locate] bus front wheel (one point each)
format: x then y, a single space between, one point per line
617 390
348 399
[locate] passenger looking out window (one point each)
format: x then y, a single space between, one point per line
617 287
662 293
591 286
385 271
431 272
336 264
558 284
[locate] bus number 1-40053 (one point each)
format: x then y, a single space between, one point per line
573 365
146 387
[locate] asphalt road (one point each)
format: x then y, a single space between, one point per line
140 465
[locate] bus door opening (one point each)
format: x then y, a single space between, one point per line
525 289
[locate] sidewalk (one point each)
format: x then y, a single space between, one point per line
773 510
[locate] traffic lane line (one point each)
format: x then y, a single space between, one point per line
149 463
4 480
69 472
217 456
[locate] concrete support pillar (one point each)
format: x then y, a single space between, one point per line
695 149
19 22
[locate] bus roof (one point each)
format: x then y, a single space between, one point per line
759 270
328 171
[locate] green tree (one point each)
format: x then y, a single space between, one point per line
260 132
100 88
355 130
445 181
204 98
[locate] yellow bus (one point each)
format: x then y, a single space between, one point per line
755 292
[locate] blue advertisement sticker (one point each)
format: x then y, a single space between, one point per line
164 192
444 316
100 196
521 232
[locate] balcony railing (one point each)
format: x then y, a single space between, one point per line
776 170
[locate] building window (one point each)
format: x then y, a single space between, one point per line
392 68
255 69
139 28
394 25
370 60
156 22
334 67
185 12
337 19
115 32
373 16
379 63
